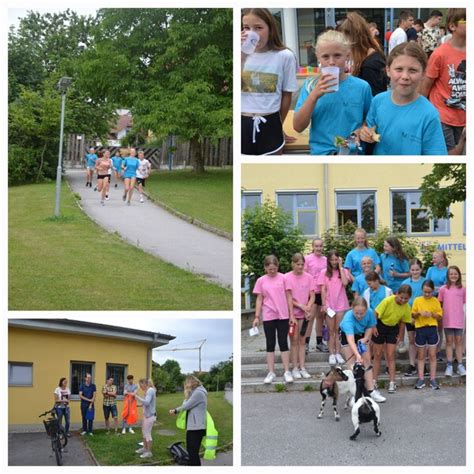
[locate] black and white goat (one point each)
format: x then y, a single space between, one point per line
364 409
329 388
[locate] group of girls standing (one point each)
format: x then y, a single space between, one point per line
389 295
399 121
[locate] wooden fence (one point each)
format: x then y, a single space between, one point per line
219 154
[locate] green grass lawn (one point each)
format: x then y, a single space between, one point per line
207 197
115 450
72 264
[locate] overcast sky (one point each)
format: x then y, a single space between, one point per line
188 333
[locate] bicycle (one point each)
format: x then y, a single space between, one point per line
56 433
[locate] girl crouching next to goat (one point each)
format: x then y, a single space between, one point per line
356 331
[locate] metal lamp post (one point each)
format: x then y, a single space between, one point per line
62 85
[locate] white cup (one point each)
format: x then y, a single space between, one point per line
333 71
250 43
253 331
330 312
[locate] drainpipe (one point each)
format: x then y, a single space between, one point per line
326 195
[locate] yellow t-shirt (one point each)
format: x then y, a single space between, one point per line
432 305
391 313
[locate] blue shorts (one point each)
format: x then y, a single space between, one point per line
110 409
426 336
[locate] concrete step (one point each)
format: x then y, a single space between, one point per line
256 385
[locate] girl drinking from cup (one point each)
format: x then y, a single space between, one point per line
401 121
332 103
394 263
333 283
300 286
268 81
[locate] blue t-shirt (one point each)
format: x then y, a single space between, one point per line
336 113
351 325
91 158
391 262
411 129
416 288
439 276
117 161
360 284
130 165
354 257
87 390
374 298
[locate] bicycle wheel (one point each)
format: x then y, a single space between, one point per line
62 437
57 452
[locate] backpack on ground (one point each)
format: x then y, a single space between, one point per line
179 453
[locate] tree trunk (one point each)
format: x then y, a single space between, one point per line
197 158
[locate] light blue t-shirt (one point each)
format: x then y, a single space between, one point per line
391 262
374 298
336 113
117 161
91 158
411 129
416 288
130 166
360 284
354 257
351 325
439 276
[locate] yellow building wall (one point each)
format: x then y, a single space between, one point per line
51 354
270 178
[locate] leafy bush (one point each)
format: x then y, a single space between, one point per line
22 165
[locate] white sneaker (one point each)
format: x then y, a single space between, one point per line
449 371
131 431
296 373
288 377
461 370
392 387
339 359
377 397
140 450
332 359
270 377
304 373
141 199
146 454
124 430
83 433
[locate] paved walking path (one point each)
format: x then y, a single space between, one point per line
158 232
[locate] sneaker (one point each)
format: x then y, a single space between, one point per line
306 348
68 435
420 383
304 373
95 188
461 370
106 197
141 199
332 359
392 387
296 373
124 430
87 185
321 347
339 359
115 184
140 450
288 377
124 197
90 434
128 203
376 396
146 454
449 370
401 349
102 202
410 371
270 377
83 433
130 430
434 385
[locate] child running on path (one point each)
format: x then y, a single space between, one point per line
117 164
143 171
103 165
453 298
129 166
405 121
268 81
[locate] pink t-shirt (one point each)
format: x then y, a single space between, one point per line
336 297
300 286
273 290
453 300
314 264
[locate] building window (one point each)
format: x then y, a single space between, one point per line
409 216
78 373
302 207
20 374
118 373
250 199
357 207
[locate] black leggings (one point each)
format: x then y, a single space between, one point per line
280 327
193 443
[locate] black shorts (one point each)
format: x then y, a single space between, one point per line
318 300
344 342
141 181
387 334
410 327
103 176
261 135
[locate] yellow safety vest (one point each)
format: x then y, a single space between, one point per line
210 440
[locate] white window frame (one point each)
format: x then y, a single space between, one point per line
243 205
295 213
358 192
28 383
